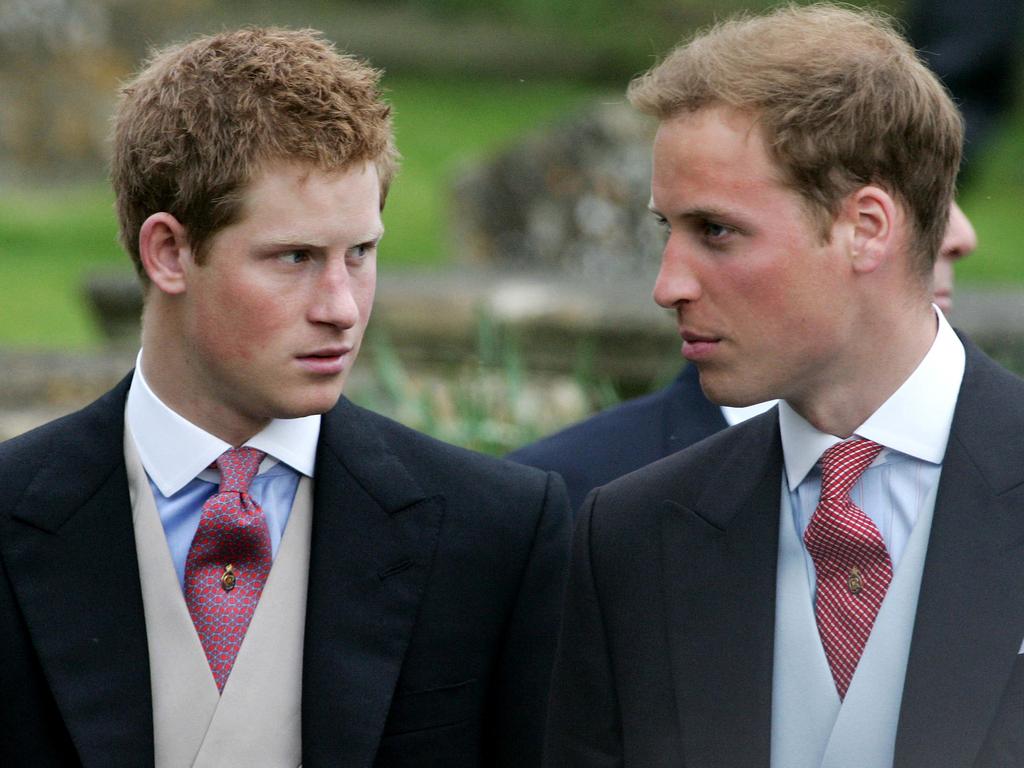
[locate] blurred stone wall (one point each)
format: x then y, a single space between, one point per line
571 198
60 65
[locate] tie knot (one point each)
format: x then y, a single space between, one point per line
238 466
843 464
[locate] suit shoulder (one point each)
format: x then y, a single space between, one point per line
41 442
686 472
80 440
21 456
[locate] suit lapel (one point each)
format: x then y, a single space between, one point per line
970 618
373 542
71 557
719 563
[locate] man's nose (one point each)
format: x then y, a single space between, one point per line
676 282
333 301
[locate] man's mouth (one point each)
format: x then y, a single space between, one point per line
327 360
698 346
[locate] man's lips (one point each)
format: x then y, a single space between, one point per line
698 346
327 360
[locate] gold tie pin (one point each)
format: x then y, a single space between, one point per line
227 579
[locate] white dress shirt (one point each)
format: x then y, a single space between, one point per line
177 456
913 428
734 414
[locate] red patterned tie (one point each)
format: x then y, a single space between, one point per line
228 562
852 563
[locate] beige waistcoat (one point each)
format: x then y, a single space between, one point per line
256 720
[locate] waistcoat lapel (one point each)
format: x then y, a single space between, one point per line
184 693
257 721
872 704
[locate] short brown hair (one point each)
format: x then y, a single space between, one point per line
200 119
842 100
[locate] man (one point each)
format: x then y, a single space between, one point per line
718 611
633 434
220 562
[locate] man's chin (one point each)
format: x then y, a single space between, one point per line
313 405
723 392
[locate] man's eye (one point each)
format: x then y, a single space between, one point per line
714 231
295 257
363 250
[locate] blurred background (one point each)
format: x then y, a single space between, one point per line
515 276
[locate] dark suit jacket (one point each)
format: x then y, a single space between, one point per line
629 436
666 651
434 589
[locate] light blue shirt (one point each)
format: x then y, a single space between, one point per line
177 456
913 428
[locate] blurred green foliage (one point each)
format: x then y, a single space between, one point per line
489 402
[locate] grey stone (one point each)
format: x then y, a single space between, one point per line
572 198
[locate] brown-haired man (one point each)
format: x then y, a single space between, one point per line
220 562
718 611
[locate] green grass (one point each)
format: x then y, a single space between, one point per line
49 241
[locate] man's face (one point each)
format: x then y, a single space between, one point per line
958 243
761 300
274 316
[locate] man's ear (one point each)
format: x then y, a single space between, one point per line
164 250
873 214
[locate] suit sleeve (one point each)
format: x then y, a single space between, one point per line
584 728
527 656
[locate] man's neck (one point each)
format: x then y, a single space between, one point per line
882 361
166 370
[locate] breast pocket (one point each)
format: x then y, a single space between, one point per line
439 707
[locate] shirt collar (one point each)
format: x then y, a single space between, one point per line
174 451
915 420
735 414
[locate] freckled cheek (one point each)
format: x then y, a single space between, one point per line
240 327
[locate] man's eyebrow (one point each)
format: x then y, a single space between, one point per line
695 213
286 240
